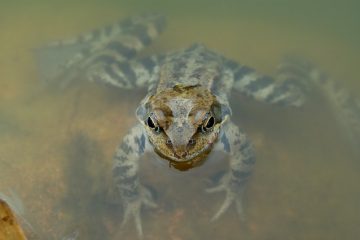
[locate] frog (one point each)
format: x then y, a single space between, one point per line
186 114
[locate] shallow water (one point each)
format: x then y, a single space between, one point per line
56 147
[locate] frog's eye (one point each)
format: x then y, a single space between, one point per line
152 124
208 124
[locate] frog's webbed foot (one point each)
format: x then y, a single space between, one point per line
132 208
233 195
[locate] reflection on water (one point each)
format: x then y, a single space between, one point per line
56 148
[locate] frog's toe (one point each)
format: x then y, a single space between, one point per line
240 209
230 196
133 210
215 189
229 199
233 195
148 199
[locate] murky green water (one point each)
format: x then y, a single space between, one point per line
56 148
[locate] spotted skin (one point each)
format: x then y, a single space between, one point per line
186 113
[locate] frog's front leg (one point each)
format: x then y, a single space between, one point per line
134 196
241 160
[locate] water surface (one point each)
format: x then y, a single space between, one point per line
56 147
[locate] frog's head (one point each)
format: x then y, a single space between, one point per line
182 124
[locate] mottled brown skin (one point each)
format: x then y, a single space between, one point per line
180 140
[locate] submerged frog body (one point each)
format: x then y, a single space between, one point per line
186 113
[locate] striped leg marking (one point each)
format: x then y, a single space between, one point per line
133 74
265 89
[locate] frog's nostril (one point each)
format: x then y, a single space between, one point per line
168 142
192 142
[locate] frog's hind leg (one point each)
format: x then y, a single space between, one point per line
346 107
119 42
104 33
272 90
121 74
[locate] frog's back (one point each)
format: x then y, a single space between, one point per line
193 66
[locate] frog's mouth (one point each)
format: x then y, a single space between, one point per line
190 161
